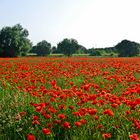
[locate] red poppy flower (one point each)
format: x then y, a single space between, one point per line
134 137
46 131
22 114
77 124
108 112
30 137
83 121
61 116
35 122
71 107
35 118
66 125
106 135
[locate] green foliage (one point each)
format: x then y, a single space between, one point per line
42 48
68 46
109 51
81 50
127 48
95 53
54 50
14 41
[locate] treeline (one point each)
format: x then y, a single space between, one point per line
14 42
125 48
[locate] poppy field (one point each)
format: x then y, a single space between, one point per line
69 98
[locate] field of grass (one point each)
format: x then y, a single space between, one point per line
59 55
69 98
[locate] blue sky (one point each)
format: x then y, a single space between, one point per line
94 23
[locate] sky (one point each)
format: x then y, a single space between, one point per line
93 23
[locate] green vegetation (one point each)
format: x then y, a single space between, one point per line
44 98
110 51
128 48
14 42
42 48
68 46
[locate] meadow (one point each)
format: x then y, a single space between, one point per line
69 98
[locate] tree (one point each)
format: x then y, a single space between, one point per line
42 48
68 46
127 48
94 52
33 49
81 50
54 49
14 41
